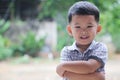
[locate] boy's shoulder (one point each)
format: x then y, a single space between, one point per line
70 47
67 48
99 45
94 46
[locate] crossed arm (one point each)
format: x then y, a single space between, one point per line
90 76
80 70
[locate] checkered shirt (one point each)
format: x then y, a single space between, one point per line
96 50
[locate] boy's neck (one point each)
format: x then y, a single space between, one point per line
82 48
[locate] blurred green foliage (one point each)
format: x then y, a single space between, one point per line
110 19
111 22
50 8
5 50
29 45
57 10
4 25
32 46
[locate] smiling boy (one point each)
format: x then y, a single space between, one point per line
86 58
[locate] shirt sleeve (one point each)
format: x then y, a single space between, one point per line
100 53
64 56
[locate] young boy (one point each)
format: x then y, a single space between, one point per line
85 59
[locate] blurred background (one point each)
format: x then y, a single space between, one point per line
33 32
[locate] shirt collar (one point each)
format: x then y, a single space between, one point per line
74 47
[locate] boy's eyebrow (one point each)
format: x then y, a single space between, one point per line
88 23
76 23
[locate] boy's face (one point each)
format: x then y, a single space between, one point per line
83 28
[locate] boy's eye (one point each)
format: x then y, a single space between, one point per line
77 26
89 26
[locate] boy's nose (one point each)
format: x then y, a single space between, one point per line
83 32
83 29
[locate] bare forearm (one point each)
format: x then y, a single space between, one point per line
82 67
91 76
60 70
77 66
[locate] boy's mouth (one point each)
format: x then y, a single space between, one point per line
84 37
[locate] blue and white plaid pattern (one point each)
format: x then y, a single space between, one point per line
96 50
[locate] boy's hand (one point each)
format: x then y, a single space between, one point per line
60 71
91 76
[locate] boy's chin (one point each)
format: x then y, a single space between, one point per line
85 43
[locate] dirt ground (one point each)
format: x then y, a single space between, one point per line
46 71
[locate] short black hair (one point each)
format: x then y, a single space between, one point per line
83 8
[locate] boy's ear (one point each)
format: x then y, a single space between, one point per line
99 28
69 30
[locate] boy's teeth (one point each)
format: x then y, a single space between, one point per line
84 37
